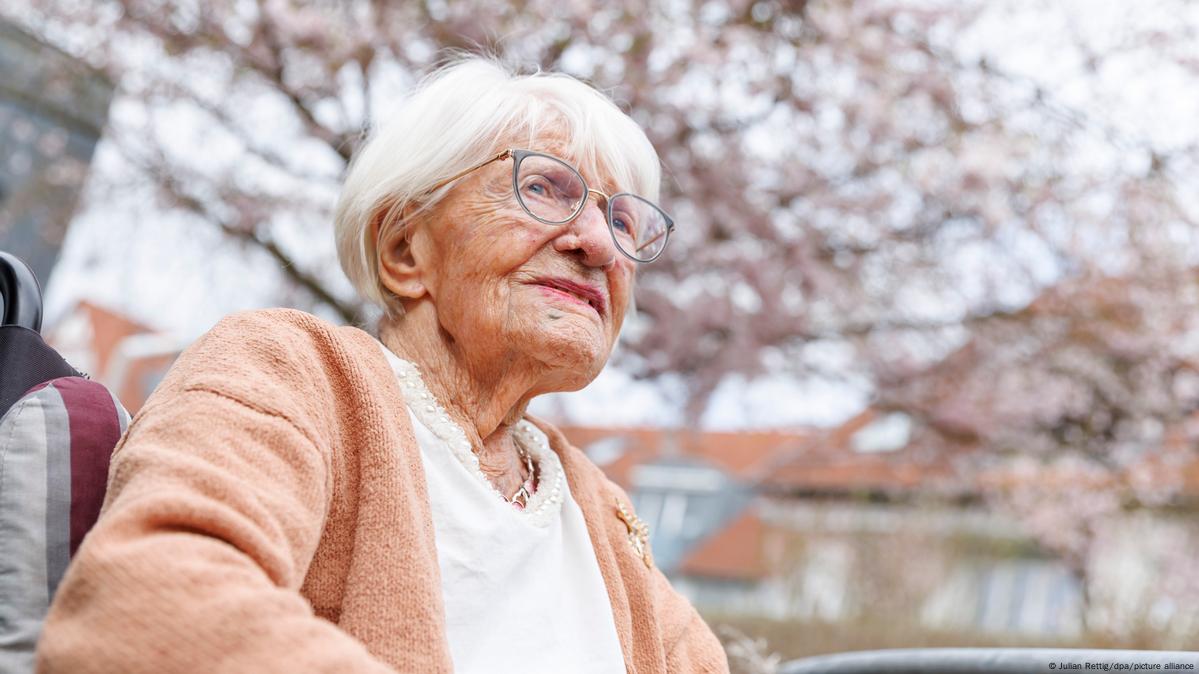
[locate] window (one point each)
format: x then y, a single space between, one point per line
885 434
674 509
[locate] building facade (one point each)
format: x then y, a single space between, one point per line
52 112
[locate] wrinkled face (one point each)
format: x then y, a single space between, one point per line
508 287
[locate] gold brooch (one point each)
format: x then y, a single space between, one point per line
638 533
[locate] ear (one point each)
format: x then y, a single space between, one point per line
399 270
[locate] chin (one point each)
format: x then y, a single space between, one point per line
576 380
572 347
574 363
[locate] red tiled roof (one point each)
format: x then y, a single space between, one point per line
859 473
829 463
822 461
740 454
736 552
1164 475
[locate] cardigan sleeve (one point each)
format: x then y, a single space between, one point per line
695 648
214 510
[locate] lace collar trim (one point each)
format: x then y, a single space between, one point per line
545 503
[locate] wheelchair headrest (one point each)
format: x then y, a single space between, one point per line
21 293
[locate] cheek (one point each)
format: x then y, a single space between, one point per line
483 249
495 240
479 244
622 299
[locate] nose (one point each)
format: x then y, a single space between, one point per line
587 236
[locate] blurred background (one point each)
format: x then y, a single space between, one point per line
920 366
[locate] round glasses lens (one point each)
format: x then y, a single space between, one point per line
639 226
549 189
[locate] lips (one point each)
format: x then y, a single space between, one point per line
586 293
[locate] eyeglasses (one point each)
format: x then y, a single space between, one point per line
554 193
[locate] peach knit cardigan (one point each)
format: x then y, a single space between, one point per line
267 512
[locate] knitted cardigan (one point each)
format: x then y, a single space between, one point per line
267 512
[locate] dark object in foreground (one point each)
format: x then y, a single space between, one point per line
992 661
25 359
57 432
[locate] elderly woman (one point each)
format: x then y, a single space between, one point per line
302 497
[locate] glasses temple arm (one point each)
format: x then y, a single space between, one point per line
664 232
502 155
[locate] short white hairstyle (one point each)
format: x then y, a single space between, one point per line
458 116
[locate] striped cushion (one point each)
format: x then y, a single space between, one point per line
55 443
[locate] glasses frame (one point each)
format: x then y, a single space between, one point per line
518 156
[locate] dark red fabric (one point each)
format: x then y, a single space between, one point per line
95 429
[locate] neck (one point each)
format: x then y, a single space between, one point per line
485 399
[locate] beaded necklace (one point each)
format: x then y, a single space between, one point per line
521 498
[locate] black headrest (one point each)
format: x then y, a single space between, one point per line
21 293
25 359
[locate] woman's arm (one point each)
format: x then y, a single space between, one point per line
692 647
215 507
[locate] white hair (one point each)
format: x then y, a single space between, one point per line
457 117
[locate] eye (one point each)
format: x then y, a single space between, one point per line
624 223
545 187
538 185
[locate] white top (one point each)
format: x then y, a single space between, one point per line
522 590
